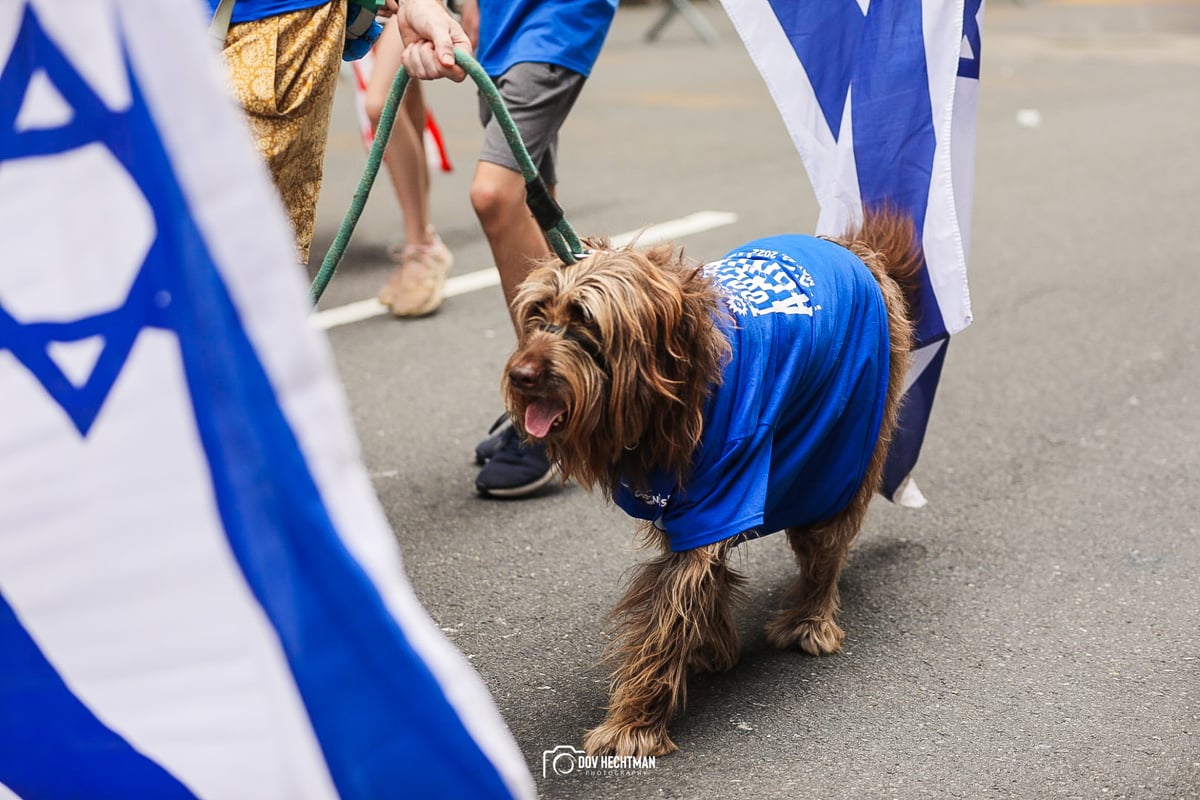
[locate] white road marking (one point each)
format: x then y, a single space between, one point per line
482 279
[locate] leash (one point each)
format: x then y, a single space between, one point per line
549 215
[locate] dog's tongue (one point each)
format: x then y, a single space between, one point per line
540 416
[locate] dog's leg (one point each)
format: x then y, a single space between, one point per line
720 645
807 615
676 611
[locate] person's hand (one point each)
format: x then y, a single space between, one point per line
390 7
430 35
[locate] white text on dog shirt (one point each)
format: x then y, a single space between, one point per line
755 282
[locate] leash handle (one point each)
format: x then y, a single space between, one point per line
549 215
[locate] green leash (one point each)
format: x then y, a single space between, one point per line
546 211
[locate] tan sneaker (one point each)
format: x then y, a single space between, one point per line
417 286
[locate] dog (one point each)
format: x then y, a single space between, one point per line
717 403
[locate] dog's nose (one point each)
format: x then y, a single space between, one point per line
524 376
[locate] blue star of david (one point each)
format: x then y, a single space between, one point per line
131 138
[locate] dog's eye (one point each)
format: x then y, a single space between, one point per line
579 314
589 340
534 316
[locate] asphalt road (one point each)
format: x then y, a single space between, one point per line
1035 631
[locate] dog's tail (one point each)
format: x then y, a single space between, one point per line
886 241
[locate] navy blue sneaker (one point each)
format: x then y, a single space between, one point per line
515 470
488 447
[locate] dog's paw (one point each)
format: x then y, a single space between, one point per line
612 739
815 636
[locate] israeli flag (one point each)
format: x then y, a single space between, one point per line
880 99
199 593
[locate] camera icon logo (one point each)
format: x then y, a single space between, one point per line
562 760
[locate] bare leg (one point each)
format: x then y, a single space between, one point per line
416 286
405 154
498 196
676 611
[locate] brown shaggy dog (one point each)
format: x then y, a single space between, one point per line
621 360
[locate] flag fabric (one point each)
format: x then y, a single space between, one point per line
880 98
199 592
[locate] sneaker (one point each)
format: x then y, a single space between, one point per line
515 469
488 447
417 286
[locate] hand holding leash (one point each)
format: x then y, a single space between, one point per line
431 35
546 211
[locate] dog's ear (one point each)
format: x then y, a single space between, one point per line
540 286
666 353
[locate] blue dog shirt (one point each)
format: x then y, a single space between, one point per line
791 429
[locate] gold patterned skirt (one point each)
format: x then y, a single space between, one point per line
284 71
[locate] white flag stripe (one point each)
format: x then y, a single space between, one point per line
485 278
949 189
962 167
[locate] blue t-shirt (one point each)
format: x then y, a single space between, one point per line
791 429
568 33
250 10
